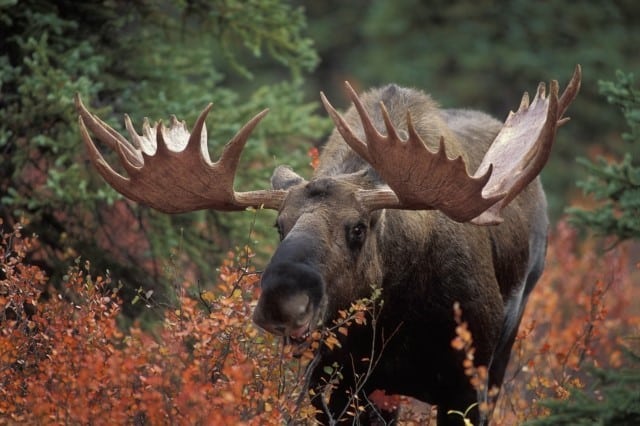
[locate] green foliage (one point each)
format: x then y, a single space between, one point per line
45 85
624 95
614 400
256 25
616 185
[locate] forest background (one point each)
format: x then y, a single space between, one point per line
156 58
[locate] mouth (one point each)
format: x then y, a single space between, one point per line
299 335
302 338
299 339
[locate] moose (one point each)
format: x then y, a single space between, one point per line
432 206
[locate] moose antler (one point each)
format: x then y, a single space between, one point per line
170 169
420 179
522 147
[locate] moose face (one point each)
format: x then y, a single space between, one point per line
326 260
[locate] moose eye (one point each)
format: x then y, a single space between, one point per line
356 235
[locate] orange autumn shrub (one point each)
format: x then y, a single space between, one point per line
582 313
65 360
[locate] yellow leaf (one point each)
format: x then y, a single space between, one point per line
331 342
208 296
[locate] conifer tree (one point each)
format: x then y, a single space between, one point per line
616 185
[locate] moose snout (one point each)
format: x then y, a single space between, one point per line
288 305
286 316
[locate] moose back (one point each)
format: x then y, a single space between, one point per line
432 206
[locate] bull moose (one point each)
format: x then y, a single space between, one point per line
392 204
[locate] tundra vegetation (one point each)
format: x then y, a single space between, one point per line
112 312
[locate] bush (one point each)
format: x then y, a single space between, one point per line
64 358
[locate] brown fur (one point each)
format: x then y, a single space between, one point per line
424 262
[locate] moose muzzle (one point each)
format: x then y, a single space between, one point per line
292 291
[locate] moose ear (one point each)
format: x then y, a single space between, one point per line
284 178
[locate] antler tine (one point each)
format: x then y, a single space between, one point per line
392 134
136 140
162 150
569 94
169 168
524 102
105 133
112 177
370 130
128 156
197 143
232 150
345 130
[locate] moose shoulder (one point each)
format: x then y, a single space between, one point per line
392 205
